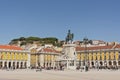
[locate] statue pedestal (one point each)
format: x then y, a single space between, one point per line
68 58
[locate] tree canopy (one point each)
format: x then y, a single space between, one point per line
31 40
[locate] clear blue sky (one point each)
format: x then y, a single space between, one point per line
95 19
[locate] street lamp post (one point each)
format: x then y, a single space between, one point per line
86 41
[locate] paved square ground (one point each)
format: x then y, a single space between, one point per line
59 75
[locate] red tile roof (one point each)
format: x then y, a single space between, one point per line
117 46
97 47
9 47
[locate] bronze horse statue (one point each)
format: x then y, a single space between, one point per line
69 37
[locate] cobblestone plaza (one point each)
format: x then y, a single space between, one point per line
59 75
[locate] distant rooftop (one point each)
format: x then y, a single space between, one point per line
9 47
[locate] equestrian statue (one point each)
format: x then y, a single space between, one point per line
69 37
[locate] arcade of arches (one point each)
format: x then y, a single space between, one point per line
14 59
43 59
103 58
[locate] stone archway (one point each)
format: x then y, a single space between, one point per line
21 65
118 62
110 63
5 65
83 63
47 64
38 64
44 65
101 63
92 64
114 63
17 65
13 65
50 64
25 64
1 65
105 63
9 64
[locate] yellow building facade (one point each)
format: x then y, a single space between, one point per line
44 57
98 56
102 56
14 57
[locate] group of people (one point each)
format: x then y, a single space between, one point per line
86 68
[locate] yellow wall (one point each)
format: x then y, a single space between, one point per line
107 56
104 55
26 57
112 55
98 56
14 56
90 56
3 55
94 56
117 55
82 56
33 59
45 57
78 56
48 57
